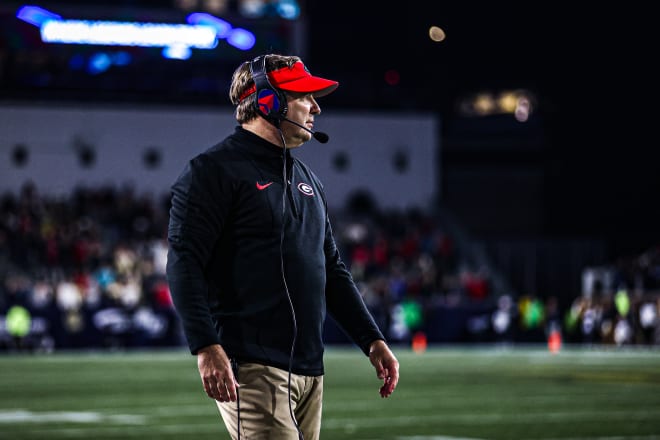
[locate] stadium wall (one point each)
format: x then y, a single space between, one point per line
392 156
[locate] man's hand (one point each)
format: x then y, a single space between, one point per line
387 366
216 373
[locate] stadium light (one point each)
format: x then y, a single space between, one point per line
111 33
202 32
36 15
237 37
177 52
241 39
222 27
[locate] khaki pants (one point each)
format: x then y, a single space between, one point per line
264 405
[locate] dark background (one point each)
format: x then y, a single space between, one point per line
590 146
583 166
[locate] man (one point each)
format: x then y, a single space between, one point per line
253 264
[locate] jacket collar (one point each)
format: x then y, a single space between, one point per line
257 145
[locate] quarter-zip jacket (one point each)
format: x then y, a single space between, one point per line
229 236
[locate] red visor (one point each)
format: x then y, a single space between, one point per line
297 79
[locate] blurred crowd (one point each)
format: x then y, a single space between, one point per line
620 302
87 270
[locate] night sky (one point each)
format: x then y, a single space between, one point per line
590 68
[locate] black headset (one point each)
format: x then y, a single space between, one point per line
269 102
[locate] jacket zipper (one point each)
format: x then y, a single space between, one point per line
292 201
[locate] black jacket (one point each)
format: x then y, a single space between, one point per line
226 254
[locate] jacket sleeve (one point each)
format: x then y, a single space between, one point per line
200 200
343 298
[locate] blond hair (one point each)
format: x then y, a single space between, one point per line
241 82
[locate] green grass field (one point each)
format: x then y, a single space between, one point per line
445 393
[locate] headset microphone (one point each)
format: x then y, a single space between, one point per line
318 135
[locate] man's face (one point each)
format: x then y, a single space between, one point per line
302 109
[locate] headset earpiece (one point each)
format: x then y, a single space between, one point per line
270 102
